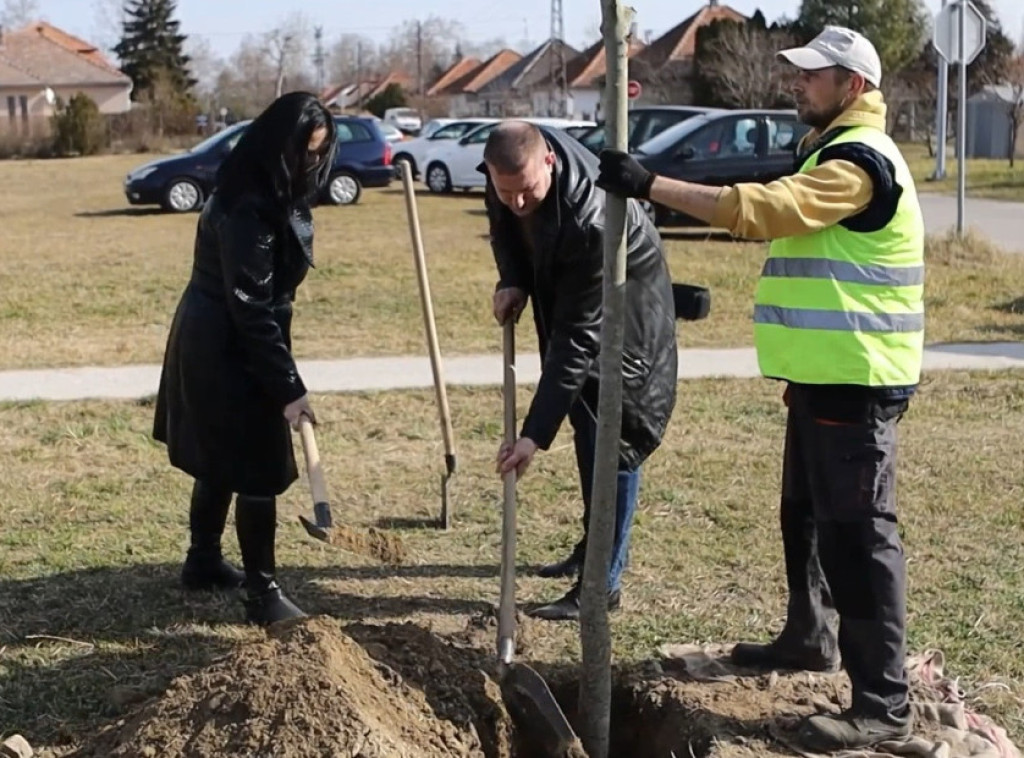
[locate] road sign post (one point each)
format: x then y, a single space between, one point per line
959 37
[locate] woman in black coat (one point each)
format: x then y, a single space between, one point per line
230 387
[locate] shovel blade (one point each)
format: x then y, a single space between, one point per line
321 533
446 513
527 694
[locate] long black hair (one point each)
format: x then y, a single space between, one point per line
273 154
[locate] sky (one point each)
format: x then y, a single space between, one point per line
224 22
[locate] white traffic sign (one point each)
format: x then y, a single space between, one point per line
947 31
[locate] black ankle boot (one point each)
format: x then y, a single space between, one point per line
256 522
807 642
205 567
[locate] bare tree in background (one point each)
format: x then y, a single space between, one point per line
353 57
108 24
18 13
287 47
1015 108
741 65
482 50
204 65
422 49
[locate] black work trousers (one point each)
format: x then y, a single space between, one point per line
842 546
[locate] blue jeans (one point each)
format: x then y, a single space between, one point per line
584 426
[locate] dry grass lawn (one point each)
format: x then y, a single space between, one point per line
93 527
89 280
985 177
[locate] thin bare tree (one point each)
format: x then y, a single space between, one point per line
1015 107
17 13
286 45
741 65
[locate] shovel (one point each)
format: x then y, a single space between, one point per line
435 353
383 547
524 690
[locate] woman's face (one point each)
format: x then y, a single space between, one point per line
316 139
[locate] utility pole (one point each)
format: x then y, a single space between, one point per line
419 58
319 58
359 74
558 94
941 117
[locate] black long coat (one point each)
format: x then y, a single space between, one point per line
228 371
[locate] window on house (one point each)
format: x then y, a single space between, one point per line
12 107
24 108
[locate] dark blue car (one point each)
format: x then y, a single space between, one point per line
180 183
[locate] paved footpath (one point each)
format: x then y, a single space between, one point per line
999 220
413 372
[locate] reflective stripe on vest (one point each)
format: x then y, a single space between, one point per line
843 307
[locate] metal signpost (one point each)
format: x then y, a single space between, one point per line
959 37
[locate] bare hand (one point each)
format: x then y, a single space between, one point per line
296 409
508 301
516 457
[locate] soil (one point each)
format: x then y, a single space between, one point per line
310 689
386 548
317 688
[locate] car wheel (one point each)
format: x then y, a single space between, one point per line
344 189
439 180
182 196
404 158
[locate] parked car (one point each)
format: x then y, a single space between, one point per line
406 119
181 183
723 148
415 150
391 132
453 163
644 123
434 124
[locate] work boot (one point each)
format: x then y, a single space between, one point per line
807 642
205 568
256 522
847 731
571 566
567 607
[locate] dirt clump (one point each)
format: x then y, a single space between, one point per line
384 547
311 689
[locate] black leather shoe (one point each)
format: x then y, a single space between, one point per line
270 606
777 654
207 570
567 608
571 566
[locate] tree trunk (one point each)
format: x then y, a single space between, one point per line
595 637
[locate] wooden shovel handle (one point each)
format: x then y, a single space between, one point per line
317 483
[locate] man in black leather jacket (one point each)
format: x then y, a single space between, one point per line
547 223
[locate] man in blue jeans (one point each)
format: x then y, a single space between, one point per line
546 218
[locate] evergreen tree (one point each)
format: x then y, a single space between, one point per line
151 49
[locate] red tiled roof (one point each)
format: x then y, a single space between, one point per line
680 42
75 44
35 52
494 66
457 70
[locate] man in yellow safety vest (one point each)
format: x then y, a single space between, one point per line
839 316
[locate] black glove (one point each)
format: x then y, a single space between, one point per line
621 175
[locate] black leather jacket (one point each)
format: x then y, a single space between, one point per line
564 282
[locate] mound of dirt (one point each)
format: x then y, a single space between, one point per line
311 689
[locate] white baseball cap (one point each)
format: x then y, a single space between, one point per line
838 46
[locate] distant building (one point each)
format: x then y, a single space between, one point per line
989 125
40 64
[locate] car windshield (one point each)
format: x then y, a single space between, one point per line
214 139
668 138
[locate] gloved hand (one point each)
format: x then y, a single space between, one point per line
621 174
